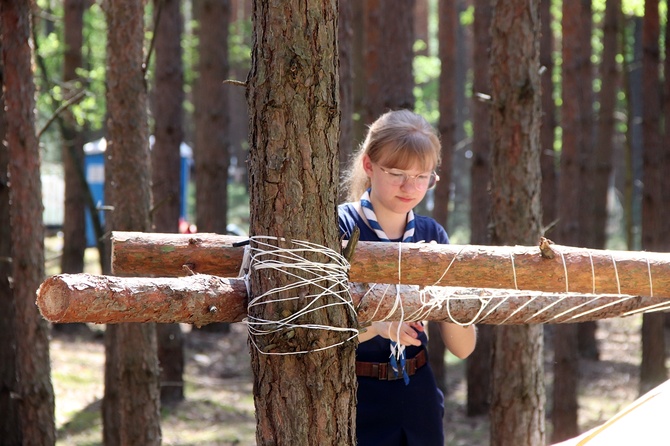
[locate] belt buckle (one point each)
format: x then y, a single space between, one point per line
390 373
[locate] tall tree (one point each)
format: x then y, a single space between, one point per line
304 398
130 406
33 385
389 55
9 406
548 125
74 222
586 338
518 398
168 99
211 119
359 61
652 369
211 154
565 339
448 44
447 37
346 59
479 363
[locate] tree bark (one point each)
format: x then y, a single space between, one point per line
518 397
204 299
10 429
292 91
74 223
479 362
388 66
166 178
34 390
548 125
571 225
346 59
524 267
131 401
654 216
448 44
211 120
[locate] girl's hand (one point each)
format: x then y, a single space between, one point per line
409 332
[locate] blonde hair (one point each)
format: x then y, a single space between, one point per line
398 139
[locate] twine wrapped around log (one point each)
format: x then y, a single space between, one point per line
202 299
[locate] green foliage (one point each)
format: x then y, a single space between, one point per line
426 90
89 111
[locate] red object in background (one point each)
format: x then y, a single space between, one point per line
187 228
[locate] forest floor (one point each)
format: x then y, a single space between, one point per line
219 408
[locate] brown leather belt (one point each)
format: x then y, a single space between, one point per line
384 371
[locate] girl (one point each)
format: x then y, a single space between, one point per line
390 175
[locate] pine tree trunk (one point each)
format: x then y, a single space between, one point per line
74 223
570 227
479 362
211 120
10 429
300 399
518 398
654 218
389 55
130 408
447 36
33 385
168 97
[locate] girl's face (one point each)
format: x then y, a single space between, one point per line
397 190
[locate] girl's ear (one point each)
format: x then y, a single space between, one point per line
367 165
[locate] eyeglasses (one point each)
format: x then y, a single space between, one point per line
423 181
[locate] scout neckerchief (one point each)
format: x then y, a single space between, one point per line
397 350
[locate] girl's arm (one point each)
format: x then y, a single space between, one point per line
458 339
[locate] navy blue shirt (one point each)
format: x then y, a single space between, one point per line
389 412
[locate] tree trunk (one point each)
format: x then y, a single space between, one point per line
306 398
390 83
548 125
211 120
590 219
33 386
10 429
518 398
360 63
130 408
565 339
479 362
654 218
345 34
166 178
448 44
74 223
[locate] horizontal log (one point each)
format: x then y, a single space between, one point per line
556 269
198 299
202 299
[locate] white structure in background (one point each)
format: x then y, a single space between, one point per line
53 184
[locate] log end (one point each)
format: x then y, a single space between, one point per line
52 301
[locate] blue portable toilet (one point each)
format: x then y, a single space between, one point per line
94 168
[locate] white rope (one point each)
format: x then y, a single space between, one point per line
328 279
651 287
616 273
